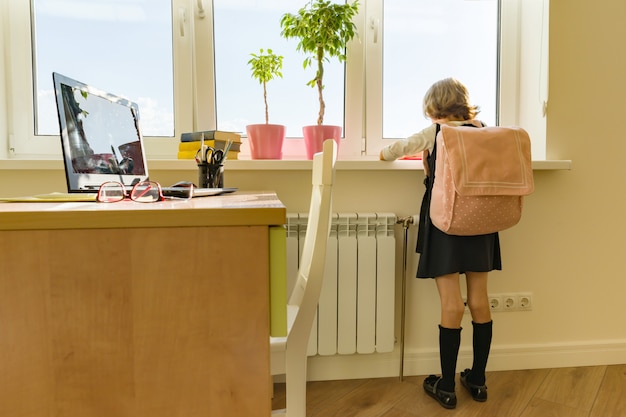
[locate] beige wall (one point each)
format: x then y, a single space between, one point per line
569 248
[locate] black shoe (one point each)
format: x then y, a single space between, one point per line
478 392
445 398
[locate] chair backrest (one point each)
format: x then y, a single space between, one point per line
306 292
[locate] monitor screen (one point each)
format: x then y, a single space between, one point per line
100 136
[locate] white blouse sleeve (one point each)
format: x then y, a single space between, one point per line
414 144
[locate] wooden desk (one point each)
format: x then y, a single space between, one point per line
136 310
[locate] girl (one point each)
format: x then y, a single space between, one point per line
444 257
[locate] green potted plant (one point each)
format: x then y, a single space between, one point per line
324 30
266 140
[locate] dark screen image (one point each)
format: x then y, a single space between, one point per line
103 134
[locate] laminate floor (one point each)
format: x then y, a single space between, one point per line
597 391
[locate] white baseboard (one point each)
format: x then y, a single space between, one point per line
502 358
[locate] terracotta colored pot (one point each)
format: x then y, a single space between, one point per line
314 137
266 141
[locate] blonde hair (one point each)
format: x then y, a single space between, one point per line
449 99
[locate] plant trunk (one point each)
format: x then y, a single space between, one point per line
267 115
320 85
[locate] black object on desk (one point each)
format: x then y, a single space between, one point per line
210 175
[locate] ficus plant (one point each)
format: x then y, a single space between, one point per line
265 67
324 30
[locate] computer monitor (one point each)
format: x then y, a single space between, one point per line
100 136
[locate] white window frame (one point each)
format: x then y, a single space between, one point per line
523 76
21 141
522 72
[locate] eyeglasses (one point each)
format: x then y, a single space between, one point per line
142 192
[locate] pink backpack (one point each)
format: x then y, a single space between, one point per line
481 176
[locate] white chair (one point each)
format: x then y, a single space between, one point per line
289 354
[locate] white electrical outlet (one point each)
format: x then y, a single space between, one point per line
495 303
509 302
525 301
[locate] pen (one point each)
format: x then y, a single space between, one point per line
227 148
202 149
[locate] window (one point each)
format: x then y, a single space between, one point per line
109 45
432 39
185 62
123 47
239 98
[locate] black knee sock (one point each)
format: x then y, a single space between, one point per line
449 342
482 345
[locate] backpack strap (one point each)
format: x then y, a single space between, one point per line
428 159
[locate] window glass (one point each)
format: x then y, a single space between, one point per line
243 27
427 40
120 46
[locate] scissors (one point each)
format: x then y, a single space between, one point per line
217 157
205 154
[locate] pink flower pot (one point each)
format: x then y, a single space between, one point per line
314 137
266 141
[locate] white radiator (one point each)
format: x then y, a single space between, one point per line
356 307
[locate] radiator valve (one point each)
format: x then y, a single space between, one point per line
407 221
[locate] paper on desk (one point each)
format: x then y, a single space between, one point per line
52 197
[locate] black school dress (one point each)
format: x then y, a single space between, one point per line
442 254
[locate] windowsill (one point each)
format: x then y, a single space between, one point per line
347 164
